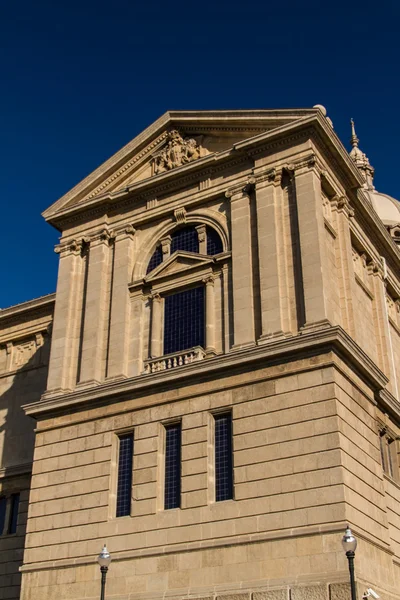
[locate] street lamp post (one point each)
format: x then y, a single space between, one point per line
349 544
104 560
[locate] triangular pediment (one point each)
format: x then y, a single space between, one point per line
177 140
179 261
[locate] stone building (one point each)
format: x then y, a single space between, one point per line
222 392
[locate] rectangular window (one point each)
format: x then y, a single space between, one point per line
3 508
172 481
223 457
125 463
184 320
12 526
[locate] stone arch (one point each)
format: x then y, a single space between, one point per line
203 216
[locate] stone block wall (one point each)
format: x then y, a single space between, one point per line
295 487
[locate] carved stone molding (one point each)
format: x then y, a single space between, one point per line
70 247
166 245
201 233
180 215
241 189
126 231
178 151
342 204
267 176
209 280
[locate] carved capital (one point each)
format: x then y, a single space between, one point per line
9 347
241 189
305 164
209 280
155 297
342 204
268 176
375 268
70 247
104 236
127 231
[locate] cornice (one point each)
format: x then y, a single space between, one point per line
330 339
389 403
15 471
37 304
182 176
206 120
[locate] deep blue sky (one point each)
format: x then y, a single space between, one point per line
80 79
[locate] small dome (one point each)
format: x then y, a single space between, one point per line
387 207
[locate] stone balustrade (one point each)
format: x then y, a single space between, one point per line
175 359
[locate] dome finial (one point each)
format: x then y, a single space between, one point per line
354 139
361 160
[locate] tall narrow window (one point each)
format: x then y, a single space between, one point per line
125 463
12 526
223 457
172 482
184 320
3 507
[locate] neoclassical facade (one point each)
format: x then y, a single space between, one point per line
214 388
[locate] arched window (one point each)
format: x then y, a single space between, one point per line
156 259
183 316
185 239
188 239
214 242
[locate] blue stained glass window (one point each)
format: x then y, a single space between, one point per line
12 527
155 260
185 239
172 484
214 242
3 507
184 320
223 457
125 462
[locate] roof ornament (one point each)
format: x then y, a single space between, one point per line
361 160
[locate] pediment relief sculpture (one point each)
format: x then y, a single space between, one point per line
178 151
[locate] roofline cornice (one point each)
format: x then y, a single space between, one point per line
24 307
331 339
170 118
191 171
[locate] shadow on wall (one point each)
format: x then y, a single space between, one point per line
22 383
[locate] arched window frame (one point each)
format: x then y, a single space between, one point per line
177 272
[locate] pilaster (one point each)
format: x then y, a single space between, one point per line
242 268
156 326
96 311
270 247
210 315
65 337
345 262
314 265
201 233
118 352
